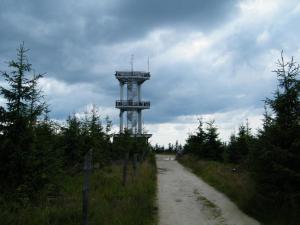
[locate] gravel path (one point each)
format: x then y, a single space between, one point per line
185 199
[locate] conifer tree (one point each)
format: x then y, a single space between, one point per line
36 104
72 142
17 152
96 136
195 142
240 145
213 148
278 150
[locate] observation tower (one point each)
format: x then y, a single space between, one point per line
132 104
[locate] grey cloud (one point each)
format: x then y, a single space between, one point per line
63 33
198 13
69 38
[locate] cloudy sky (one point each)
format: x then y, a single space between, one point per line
208 58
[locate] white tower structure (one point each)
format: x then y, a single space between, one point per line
132 102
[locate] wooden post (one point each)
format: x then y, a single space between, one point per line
87 167
125 168
143 156
134 164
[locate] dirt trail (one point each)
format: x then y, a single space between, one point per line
185 199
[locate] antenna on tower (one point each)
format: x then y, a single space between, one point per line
148 63
131 62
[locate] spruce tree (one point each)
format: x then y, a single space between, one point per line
232 151
195 142
17 152
239 146
277 163
73 142
213 148
37 106
96 137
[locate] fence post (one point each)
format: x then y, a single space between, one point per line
125 168
134 164
87 167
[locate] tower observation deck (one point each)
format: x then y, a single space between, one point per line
132 104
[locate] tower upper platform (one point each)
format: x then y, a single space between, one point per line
139 76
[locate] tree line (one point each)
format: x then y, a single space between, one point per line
272 156
171 148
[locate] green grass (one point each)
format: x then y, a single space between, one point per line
240 187
110 202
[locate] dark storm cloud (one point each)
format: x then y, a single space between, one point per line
62 34
81 43
139 16
243 81
50 27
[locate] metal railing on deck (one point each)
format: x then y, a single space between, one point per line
132 74
129 103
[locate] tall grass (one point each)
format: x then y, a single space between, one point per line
236 184
110 203
239 186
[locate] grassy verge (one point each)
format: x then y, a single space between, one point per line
238 186
110 202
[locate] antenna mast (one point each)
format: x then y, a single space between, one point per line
131 62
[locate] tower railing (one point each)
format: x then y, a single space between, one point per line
130 103
127 76
133 74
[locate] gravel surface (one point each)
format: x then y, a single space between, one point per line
185 199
